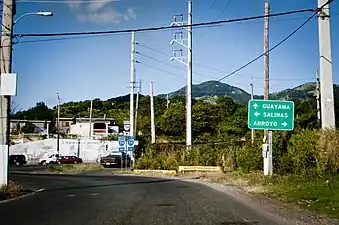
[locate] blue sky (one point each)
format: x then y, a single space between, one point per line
99 67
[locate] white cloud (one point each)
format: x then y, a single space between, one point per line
101 12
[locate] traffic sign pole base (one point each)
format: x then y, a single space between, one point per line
268 166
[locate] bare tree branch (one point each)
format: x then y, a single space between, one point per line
14 108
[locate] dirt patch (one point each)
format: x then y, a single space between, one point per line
12 190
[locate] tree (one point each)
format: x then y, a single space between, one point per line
14 108
172 122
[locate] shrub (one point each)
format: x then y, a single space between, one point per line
302 151
249 158
328 154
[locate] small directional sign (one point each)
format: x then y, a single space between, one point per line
130 143
122 143
270 115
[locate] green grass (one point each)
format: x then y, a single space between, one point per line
313 192
12 190
76 168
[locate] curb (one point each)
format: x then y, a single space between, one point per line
22 196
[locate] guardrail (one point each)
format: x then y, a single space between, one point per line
200 168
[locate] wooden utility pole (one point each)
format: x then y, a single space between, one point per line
252 131
318 100
266 59
152 114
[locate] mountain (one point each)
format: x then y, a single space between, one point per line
124 98
210 89
301 92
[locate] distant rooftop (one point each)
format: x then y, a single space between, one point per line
87 119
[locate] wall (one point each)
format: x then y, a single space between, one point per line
90 150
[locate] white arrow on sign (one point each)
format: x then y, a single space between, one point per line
255 106
257 114
284 124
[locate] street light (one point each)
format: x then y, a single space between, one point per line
58 121
41 13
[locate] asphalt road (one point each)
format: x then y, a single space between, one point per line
126 200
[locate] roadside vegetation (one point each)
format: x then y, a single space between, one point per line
12 190
75 168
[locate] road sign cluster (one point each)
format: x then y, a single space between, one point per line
126 143
270 115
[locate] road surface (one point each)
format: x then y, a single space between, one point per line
125 200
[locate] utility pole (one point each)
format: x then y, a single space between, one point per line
178 38
167 101
6 67
266 59
318 99
252 130
267 145
152 114
58 125
189 77
90 119
326 80
131 110
136 109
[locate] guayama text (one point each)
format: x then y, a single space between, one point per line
275 106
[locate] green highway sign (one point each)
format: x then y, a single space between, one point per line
270 115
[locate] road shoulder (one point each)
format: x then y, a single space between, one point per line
287 213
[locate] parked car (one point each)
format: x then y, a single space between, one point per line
49 160
17 160
68 160
115 160
110 160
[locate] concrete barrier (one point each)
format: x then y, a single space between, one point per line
200 168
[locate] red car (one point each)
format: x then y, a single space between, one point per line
68 160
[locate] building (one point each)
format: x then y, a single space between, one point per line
32 126
98 127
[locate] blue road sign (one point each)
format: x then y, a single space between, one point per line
121 140
130 143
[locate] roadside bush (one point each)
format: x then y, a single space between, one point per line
328 151
302 151
249 158
281 160
170 156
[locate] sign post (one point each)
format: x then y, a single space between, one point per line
122 147
270 115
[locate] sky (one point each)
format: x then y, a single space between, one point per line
99 67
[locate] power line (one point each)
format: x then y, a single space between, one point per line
224 9
66 2
102 35
178 67
163 27
274 47
215 69
156 68
213 3
302 79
